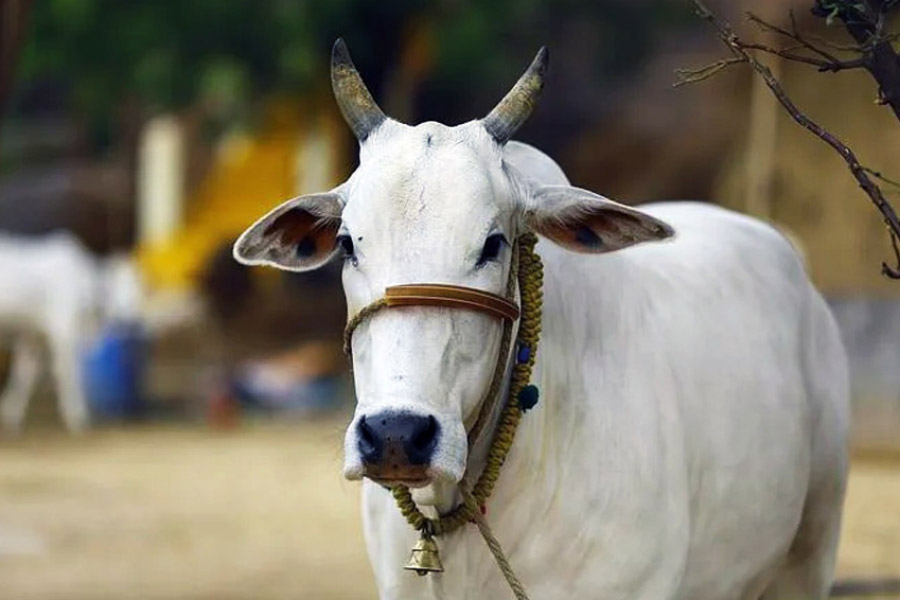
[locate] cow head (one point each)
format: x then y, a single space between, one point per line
428 204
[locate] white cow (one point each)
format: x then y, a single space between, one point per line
690 442
53 291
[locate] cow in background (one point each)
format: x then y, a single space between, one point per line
53 290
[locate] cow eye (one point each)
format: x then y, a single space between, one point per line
345 242
491 250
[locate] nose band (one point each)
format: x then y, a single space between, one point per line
451 296
434 294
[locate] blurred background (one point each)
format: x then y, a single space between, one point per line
172 421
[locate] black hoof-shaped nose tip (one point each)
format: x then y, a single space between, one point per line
413 436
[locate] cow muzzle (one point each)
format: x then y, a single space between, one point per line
402 447
397 447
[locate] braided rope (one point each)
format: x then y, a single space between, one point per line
494 546
362 315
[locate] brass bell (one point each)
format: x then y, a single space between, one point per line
424 558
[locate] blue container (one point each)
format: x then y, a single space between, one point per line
113 372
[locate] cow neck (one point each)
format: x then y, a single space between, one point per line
526 274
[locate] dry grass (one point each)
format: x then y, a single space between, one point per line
256 513
181 513
870 540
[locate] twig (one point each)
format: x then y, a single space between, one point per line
879 175
739 51
856 48
886 269
794 34
825 61
686 76
832 66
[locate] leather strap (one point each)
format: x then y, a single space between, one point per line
451 296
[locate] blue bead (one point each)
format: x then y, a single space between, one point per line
523 355
528 397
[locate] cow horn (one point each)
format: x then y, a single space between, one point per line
511 112
356 103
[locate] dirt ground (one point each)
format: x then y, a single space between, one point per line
259 512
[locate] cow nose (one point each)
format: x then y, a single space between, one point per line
401 438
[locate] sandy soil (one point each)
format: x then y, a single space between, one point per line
260 512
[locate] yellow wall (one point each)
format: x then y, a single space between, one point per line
252 173
812 192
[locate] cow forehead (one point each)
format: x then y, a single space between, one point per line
417 182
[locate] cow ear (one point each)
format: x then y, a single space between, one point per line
583 221
299 235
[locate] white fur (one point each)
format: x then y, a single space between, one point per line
53 291
690 440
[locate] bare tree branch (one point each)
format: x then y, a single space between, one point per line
740 53
825 60
821 59
865 23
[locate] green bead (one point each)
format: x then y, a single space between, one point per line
528 397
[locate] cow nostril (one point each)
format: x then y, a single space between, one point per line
426 436
423 441
368 445
365 432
